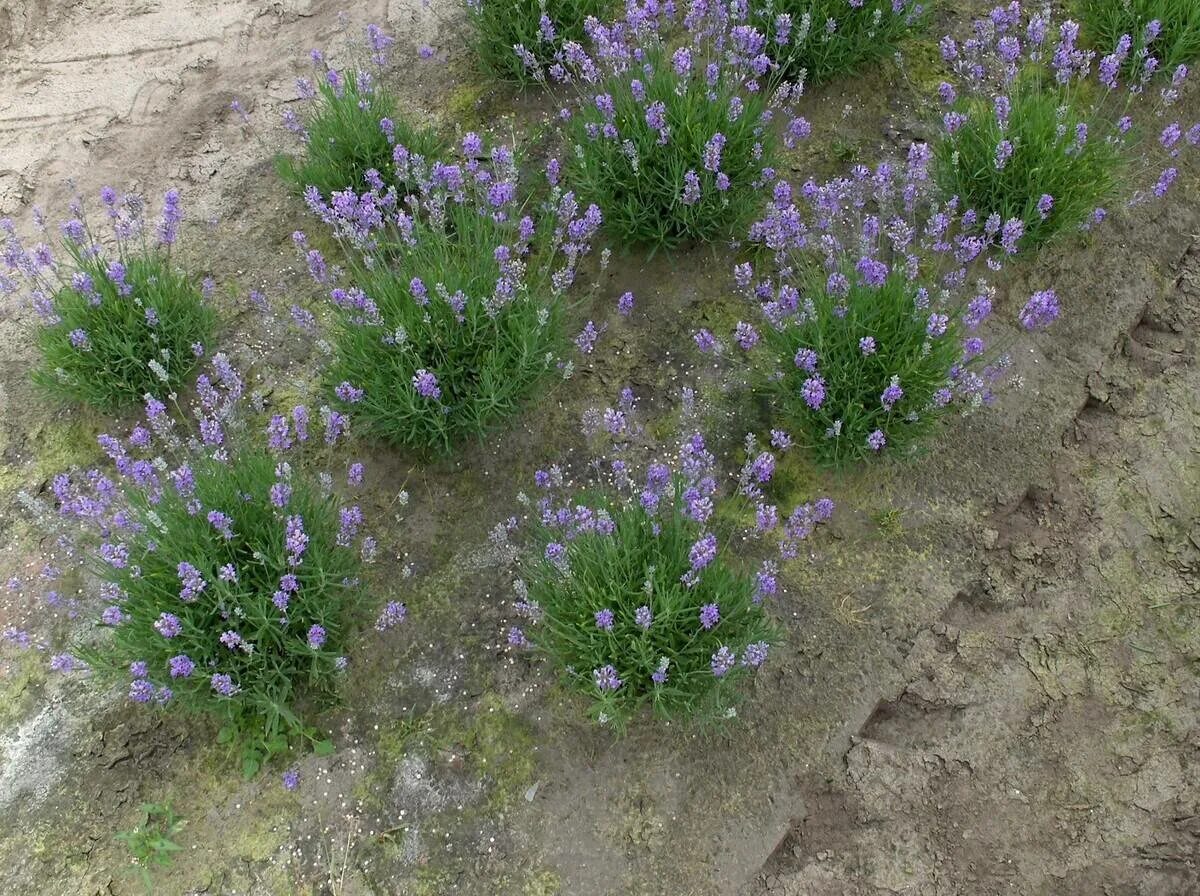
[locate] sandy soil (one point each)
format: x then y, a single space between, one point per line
989 684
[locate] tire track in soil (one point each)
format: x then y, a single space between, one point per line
1044 741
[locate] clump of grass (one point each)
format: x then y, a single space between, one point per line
150 842
351 124
117 322
628 585
672 145
451 310
517 39
1034 135
815 41
228 577
1167 30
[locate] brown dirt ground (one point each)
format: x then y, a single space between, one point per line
990 680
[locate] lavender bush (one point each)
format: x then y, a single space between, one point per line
227 576
351 125
1034 135
870 317
626 582
117 321
813 41
1168 30
451 308
517 39
673 145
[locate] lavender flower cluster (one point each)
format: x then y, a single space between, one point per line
228 577
871 305
115 321
458 268
624 581
349 122
674 144
517 40
1039 127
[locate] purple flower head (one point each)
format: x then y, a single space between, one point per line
876 440
722 661
691 188
231 639
813 391
643 617
392 615
291 778
348 393
279 436
168 625
705 341
141 691
710 615
703 552
426 384
806 359
659 675
867 345
180 666
604 619
191 581
223 684
892 394
316 637
1040 311
606 678
755 654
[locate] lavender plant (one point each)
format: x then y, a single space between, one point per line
515 39
1168 30
813 41
871 321
117 321
1033 135
627 583
228 578
351 125
673 145
450 311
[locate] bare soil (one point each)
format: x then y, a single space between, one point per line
990 681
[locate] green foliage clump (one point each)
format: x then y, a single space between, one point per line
630 584
822 39
351 126
1047 159
121 356
670 158
150 842
642 562
1176 43
454 315
116 321
228 578
852 401
503 25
